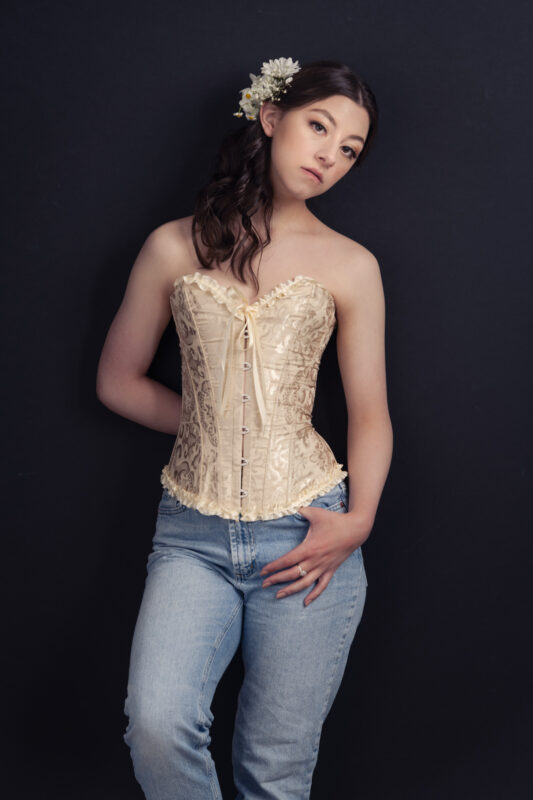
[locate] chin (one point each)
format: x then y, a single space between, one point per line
316 190
299 190
306 195
312 190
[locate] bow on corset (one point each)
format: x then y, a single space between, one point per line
253 348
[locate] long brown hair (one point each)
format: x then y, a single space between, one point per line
240 186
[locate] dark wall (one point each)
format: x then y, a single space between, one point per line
112 117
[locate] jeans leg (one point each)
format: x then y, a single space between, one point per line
187 631
294 659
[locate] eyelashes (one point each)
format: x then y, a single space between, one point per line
352 151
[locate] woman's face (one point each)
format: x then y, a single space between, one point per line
325 135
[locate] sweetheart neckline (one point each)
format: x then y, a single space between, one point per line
274 292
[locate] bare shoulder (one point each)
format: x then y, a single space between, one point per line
354 275
166 251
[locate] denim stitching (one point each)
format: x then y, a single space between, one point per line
207 668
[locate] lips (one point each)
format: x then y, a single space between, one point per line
314 173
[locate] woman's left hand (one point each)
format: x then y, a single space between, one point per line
331 538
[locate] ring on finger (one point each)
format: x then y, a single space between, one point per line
302 572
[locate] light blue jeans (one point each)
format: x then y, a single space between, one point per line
202 598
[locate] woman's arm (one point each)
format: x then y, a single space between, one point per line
134 335
361 356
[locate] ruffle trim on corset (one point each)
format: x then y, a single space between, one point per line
222 293
192 500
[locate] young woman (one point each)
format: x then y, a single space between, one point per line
257 540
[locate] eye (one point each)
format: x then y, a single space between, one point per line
353 155
314 122
352 151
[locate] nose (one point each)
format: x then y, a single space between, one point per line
326 157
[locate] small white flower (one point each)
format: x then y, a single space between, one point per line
280 67
275 76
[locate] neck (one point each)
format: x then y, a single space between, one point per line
287 217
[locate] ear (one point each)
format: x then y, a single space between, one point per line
269 114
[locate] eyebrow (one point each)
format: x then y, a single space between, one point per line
328 115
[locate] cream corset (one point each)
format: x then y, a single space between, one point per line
245 447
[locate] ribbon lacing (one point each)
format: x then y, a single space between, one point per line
248 332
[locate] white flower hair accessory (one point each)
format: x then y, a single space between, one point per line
275 76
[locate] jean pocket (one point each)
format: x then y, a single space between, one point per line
170 504
335 499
